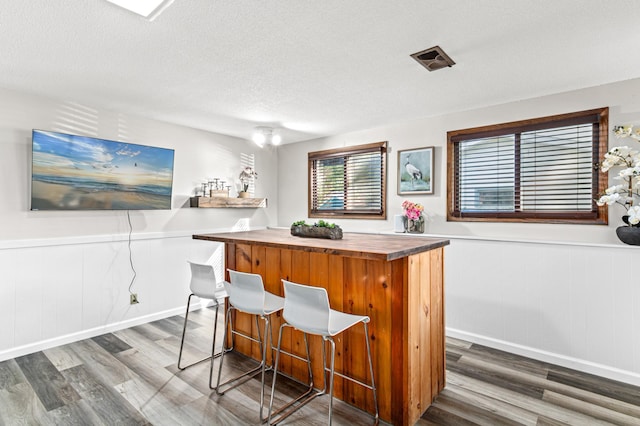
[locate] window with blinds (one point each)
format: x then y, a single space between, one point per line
542 170
348 182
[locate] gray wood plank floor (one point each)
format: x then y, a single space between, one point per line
130 377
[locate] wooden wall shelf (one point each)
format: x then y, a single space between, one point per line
228 202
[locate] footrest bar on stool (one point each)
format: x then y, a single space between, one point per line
216 355
305 398
247 376
364 385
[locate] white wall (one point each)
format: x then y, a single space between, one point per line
65 275
569 297
568 304
538 298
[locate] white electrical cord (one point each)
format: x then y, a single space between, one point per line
130 258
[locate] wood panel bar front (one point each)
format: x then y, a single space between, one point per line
396 280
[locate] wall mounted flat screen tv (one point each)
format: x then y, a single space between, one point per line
72 172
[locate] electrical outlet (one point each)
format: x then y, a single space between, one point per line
134 298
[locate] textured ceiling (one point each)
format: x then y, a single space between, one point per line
312 68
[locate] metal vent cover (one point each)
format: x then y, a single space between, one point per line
433 58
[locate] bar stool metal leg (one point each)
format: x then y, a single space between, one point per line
263 340
372 386
331 375
304 398
373 382
184 333
214 355
263 344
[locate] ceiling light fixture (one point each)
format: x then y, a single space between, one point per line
149 9
263 135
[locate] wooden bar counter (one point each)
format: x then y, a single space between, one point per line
397 280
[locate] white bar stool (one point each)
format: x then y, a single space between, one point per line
307 309
246 294
204 284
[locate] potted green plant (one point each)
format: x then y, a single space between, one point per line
320 229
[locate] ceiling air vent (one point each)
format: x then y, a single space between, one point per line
433 58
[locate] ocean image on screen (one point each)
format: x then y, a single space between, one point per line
72 172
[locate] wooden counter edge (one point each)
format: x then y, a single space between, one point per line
434 243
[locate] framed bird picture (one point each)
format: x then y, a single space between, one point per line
415 171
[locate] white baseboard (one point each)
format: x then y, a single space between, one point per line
550 357
93 332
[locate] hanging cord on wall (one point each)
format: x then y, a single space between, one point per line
130 258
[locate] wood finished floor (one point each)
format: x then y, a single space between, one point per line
130 377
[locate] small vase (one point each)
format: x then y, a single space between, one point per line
414 226
629 235
243 194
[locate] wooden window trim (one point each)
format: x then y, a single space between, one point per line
600 214
341 152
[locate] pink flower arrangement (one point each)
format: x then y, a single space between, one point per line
412 210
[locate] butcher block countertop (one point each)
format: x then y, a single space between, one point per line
366 246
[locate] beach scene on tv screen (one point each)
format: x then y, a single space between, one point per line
72 172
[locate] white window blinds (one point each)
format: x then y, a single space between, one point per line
348 182
541 169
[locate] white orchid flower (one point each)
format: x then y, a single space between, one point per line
622 131
634 215
627 161
616 189
620 155
608 199
625 173
608 163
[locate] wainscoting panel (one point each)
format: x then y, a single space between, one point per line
62 291
573 305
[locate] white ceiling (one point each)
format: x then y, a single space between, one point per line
313 68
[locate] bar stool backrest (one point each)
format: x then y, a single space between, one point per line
204 281
306 308
246 291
